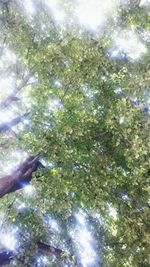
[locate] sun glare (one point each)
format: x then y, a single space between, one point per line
14 158
127 42
80 217
6 86
8 240
112 211
42 260
52 224
55 104
21 206
8 57
56 11
93 13
6 116
29 190
144 2
84 241
29 8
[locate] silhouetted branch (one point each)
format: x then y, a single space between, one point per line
22 175
6 257
58 253
4 127
12 97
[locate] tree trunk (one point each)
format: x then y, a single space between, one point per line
22 175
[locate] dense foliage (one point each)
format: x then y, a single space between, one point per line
78 98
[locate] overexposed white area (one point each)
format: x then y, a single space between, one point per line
52 224
47 164
144 2
58 84
7 57
81 217
125 197
56 11
8 239
26 100
6 115
118 91
145 35
29 190
127 42
10 164
121 119
84 241
93 13
55 104
21 206
6 86
29 8
90 14
88 92
112 211
42 260
2 217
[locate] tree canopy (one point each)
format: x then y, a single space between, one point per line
74 133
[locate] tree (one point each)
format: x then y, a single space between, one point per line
84 133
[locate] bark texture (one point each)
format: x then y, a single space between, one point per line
21 176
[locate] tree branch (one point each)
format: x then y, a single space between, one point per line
22 175
12 97
6 257
57 252
4 127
